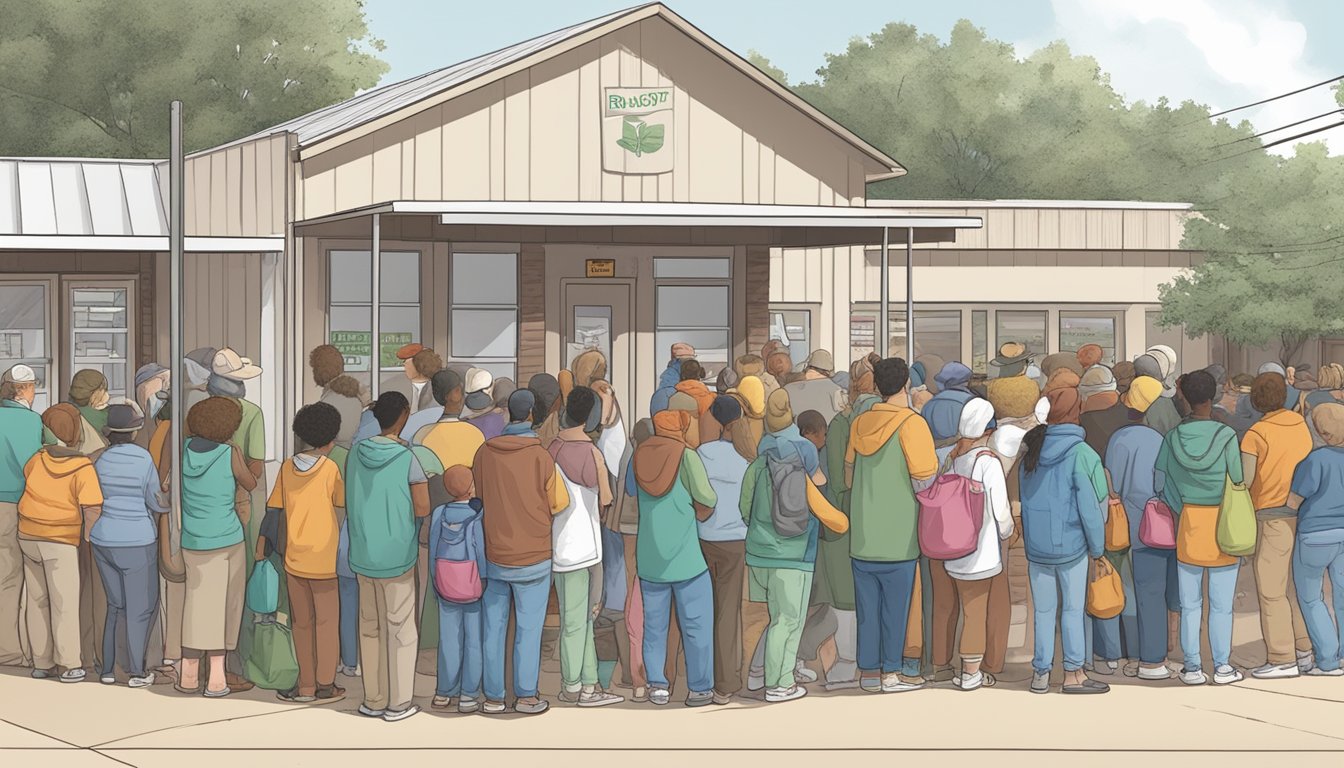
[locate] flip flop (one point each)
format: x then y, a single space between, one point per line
209 694
189 691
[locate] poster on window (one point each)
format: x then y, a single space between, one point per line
637 130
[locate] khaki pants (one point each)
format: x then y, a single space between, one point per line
92 607
11 587
51 573
315 614
387 640
1280 616
174 600
997 614
215 589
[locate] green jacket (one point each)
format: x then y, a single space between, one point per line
765 547
379 511
883 510
1194 462
667 545
21 433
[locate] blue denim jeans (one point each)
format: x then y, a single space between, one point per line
695 617
348 587
131 581
526 590
882 594
613 570
1311 561
459 672
1059 591
1117 637
1222 589
1155 595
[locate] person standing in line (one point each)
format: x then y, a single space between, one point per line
124 546
1270 453
692 386
420 364
452 440
723 543
1097 389
172 590
1196 460
490 406
549 398
340 391
151 392
387 492
751 392
214 475
301 524
890 451
626 515
1063 487
88 393
1318 496
814 390
61 497
518 482
577 547
1162 415
674 493
455 535
21 433
670 377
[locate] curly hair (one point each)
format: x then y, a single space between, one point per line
317 424
327 363
427 362
215 419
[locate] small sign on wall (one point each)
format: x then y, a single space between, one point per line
637 130
600 267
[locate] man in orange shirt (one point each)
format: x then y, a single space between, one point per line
61 501
1270 452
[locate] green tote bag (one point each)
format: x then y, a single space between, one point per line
1236 520
272 664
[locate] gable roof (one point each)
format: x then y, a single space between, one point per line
368 111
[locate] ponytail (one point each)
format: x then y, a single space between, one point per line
1033 441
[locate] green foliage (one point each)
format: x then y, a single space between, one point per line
639 137
95 78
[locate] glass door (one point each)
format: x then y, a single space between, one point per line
26 320
101 323
597 316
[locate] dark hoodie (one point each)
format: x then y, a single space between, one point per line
517 480
1062 500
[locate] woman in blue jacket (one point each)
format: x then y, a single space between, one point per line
1063 487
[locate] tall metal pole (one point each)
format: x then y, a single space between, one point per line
375 335
176 240
881 334
910 295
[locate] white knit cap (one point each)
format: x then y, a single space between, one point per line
1007 440
21 374
975 416
1042 410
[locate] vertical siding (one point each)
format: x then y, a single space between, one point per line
531 311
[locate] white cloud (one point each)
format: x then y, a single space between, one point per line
1224 54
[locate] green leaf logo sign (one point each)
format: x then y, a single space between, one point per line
639 137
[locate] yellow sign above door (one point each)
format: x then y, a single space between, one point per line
601 267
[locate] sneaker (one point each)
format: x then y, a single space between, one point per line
348 671
107 679
1276 671
1193 676
367 711
73 676
1306 661
142 681
944 674
755 679
43 674
599 699
467 706
329 694
871 683
534 707
292 695
778 695
1159 672
1228 674
699 698
569 697
1106 667
494 707
802 674
395 715
967 682
1316 671
441 702
898 683
1040 682
1131 669
660 696
843 685
722 699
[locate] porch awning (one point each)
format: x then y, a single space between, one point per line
141 243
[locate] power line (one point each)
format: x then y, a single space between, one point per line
1294 137
1280 128
1276 98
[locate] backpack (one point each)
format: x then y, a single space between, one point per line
789 511
951 514
457 575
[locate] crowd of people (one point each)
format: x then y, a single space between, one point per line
863 516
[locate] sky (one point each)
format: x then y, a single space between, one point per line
1224 53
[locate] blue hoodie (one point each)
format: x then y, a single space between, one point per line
1062 512
450 526
943 412
1131 457
667 387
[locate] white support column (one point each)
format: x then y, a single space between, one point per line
375 306
176 339
910 295
882 334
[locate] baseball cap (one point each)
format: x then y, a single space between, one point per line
148 371
821 360
21 374
229 364
477 385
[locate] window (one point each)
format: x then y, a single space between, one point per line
1027 328
483 319
692 305
793 328
100 333
350 312
980 341
1077 329
937 332
24 318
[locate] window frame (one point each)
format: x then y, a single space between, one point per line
697 282
516 307
375 349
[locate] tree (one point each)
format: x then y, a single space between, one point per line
95 78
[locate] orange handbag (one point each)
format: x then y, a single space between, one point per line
1117 526
1105 593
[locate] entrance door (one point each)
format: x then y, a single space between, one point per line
27 317
597 316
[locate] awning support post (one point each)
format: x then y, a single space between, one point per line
882 334
910 295
176 240
375 333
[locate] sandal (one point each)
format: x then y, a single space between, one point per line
327 694
177 686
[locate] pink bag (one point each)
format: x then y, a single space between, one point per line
457 581
951 514
1157 527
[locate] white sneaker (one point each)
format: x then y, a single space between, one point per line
394 715
599 699
143 681
108 679
894 683
72 676
967 682
1318 672
367 711
1160 672
755 679
1228 674
660 696
1305 662
1276 671
802 674
1040 682
1193 676
777 695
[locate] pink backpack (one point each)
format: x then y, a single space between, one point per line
951 514
457 578
1157 527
